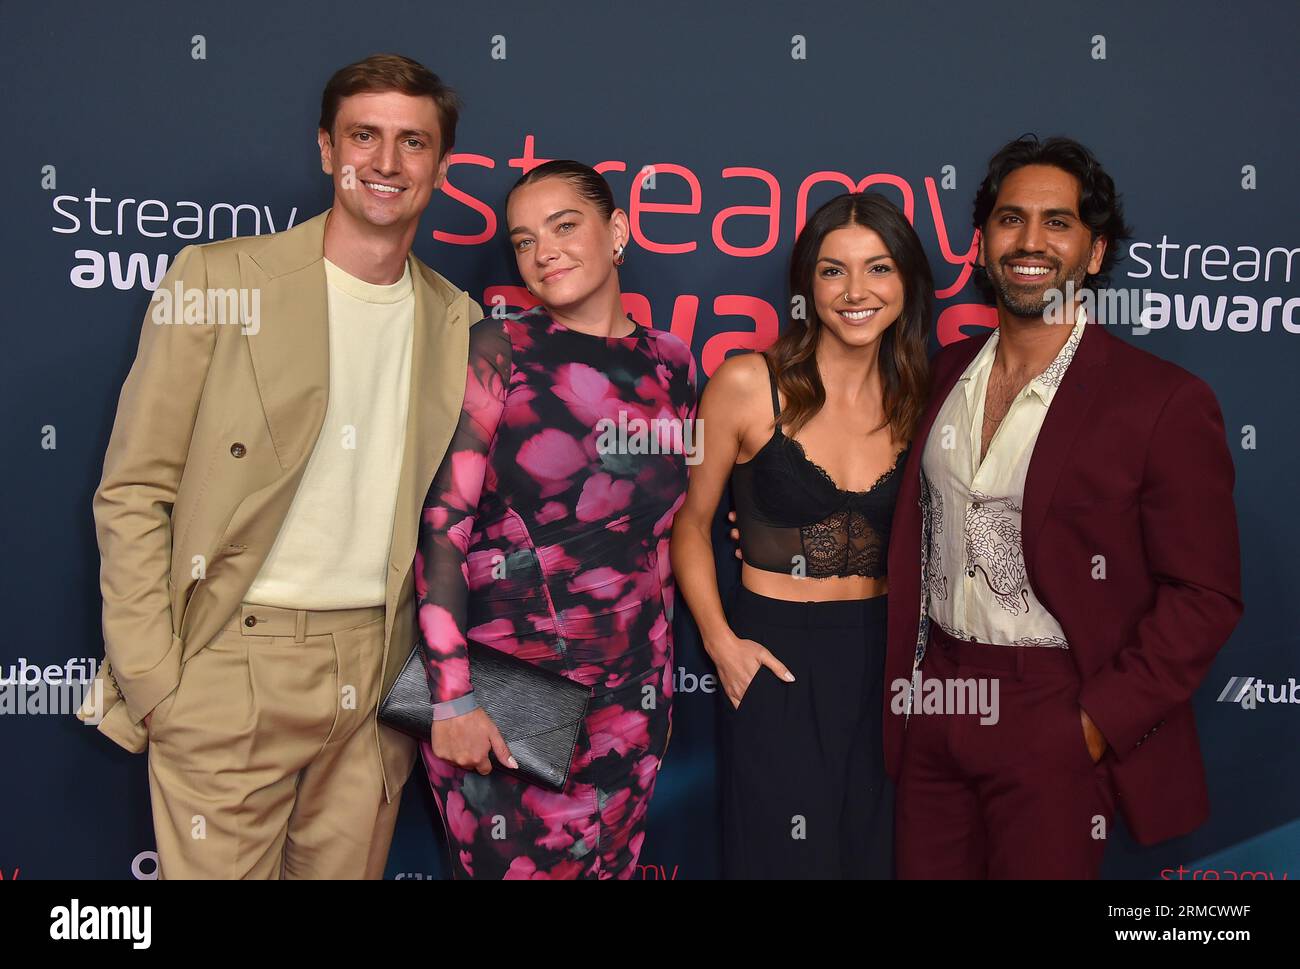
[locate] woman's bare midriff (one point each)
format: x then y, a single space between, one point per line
777 585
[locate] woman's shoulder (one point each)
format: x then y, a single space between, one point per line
491 341
741 375
489 329
521 326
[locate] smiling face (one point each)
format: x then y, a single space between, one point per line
857 289
1035 242
564 247
385 157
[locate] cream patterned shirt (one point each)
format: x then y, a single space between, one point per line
974 570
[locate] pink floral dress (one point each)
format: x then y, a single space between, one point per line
545 535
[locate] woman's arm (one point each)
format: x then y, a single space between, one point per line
728 399
684 400
461 732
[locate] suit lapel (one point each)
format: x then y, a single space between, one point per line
290 348
938 395
1064 420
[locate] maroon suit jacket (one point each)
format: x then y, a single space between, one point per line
1131 464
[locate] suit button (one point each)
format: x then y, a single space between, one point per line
238 450
250 621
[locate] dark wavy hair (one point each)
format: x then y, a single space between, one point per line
904 365
1099 203
586 181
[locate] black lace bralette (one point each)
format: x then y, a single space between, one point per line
793 518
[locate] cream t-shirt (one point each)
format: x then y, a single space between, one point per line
332 550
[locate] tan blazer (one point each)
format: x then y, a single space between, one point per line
214 427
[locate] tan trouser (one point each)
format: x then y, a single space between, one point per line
264 761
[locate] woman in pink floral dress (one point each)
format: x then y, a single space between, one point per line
545 535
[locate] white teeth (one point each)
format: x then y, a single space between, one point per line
382 188
857 315
1031 270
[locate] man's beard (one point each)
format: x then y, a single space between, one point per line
1018 302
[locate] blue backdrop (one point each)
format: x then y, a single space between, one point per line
134 129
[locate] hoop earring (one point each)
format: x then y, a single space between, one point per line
618 256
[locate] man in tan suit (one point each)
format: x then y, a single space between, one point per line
290 400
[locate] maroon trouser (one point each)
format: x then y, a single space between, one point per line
1017 796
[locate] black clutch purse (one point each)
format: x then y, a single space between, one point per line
537 711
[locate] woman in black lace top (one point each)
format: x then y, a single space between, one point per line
812 434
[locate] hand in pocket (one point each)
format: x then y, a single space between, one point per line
739 661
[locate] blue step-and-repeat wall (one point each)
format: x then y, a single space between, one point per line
134 129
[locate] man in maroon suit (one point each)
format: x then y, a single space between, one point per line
1065 535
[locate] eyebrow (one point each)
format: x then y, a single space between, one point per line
549 219
1047 213
866 262
419 132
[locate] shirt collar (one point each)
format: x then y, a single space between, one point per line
1045 385
1048 382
